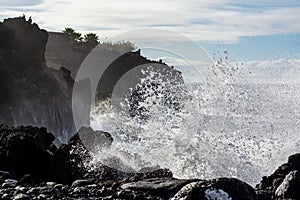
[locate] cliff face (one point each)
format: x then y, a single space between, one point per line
131 63
114 63
29 38
32 93
60 52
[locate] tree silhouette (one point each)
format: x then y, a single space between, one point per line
91 40
74 36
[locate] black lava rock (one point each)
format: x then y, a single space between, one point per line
222 188
282 182
29 150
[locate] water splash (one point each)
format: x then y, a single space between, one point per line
237 128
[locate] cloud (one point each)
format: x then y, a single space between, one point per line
214 20
19 3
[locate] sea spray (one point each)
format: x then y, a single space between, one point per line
236 128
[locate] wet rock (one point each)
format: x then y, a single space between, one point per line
5 196
9 183
33 191
80 183
20 189
289 188
45 190
223 188
104 173
4 175
94 141
41 197
25 149
263 195
126 194
157 173
64 190
80 190
66 167
161 187
76 147
87 142
102 192
270 184
51 184
294 161
58 186
27 179
22 197
29 150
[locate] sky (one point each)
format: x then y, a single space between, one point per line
252 30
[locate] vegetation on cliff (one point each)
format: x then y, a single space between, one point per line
91 40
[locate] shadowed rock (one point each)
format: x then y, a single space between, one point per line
222 188
32 93
282 181
289 188
162 187
88 142
30 150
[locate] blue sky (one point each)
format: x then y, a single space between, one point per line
270 47
252 30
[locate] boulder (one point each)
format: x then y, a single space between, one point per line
294 161
161 187
87 142
222 188
268 188
91 140
29 150
25 150
289 188
81 183
4 175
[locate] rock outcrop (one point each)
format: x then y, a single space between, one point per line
61 52
222 188
289 188
32 93
30 150
284 183
87 142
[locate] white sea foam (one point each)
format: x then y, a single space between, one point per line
216 194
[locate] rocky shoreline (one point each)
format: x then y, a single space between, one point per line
32 167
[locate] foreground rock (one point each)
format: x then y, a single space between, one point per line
32 167
87 141
154 188
289 188
164 188
223 188
284 183
30 150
